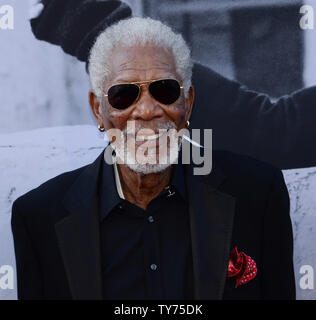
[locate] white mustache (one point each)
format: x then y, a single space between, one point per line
152 132
148 137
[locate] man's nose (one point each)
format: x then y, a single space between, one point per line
146 107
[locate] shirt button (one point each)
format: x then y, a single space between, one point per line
151 219
153 267
120 206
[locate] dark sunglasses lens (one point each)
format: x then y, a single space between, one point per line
121 96
165 91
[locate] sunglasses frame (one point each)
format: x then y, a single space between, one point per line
139 85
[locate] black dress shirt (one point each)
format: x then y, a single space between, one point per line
145 254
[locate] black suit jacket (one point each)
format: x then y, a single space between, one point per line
242 202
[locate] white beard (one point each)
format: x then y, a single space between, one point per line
148 165
148 168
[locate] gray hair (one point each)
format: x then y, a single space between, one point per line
138 31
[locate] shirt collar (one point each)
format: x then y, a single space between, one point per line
117 179
109 197
177 179
111 192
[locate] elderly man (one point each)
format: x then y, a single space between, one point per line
153 230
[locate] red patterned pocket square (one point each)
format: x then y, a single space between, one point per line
241 267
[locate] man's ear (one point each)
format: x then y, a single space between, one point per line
189 101
95 107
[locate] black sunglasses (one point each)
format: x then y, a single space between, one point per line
123 95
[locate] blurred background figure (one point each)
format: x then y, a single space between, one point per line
258 43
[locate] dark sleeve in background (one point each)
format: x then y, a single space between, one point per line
278 281
75 24
246 122
29 284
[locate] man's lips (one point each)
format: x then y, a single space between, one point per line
148 137
151 140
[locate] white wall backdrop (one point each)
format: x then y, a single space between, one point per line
40 86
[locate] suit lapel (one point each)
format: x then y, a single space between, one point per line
211 220
78 235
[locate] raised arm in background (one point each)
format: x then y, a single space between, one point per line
247 122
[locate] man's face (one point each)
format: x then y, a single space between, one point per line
149 116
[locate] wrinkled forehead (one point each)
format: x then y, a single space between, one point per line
139 63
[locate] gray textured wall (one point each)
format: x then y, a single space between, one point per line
40 86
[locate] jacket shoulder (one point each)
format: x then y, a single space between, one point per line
48 192
245 169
